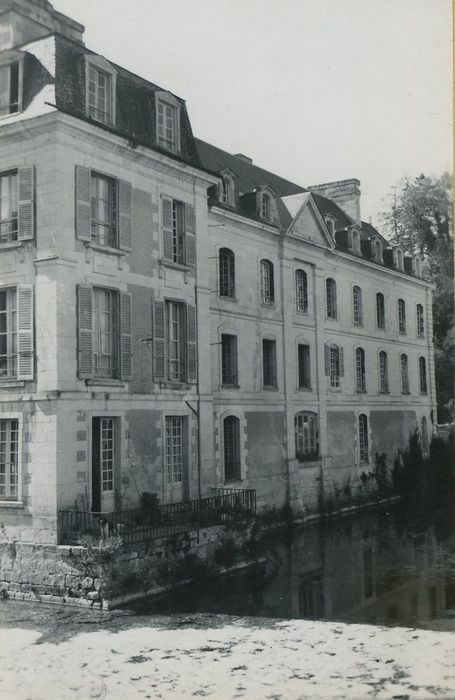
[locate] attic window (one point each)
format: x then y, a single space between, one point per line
100 90
377 250
168 122
330 223
417 266
10 88
226 190
398 259
266 207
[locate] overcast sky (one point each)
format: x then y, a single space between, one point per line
314 90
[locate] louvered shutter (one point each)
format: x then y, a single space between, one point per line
190 238
341 360
159 350
124 217
327 359
191 344
83 203
166 227
26 205
126 347
25 354
85 332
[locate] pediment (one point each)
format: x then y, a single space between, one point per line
307 222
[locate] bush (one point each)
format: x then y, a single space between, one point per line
225 553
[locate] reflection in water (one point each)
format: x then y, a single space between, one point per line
374 567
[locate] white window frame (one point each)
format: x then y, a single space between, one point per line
357 306
383 373
172 145
227 189
267 282
301 291
12 223
335 367
398 258
331 299
230 360
381 327
420 321
100 65
360 370
113 333
19 500
377 251
306 441
170 473
11 334
175 334
226 273
8 59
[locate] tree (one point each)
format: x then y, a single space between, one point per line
419 218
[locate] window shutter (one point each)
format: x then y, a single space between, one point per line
190 238
166 227
124 204
341 359
191 344
327 359
25 362
126 348
83 203
85 339
26 205
159 354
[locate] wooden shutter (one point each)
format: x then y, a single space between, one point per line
26 205
83 203
159 338
190 238
85 332
126 347
25 354
124 214
341 361
166 227
327 360
191 344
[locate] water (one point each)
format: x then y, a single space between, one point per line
384 567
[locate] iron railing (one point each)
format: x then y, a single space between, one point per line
144 524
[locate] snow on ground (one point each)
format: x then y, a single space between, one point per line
276 660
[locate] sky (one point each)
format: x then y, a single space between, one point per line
313 90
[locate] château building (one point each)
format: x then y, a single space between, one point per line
174 318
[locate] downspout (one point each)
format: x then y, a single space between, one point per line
285 383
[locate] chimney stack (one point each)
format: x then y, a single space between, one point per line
22 21
345 193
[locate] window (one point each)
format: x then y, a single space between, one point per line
357 306
231 448
229 372
417 266
363 439
267 283
269 363
420 321
354 240
226 191
301 291
306 437
423 375
380 311
401 316
168 126
174 341
103 209
330 223
100 93
331 298
360 381
334 364
179 242
266 207
377 251
107 453
10 78
226 273
311 598
104 333
9 459
16 332
174 431
424 434
404 374
304 371
383 373
8 207
398 259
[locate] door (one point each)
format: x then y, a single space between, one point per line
103 456
175 460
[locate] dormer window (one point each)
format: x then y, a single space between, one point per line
376 249
330 223
226 191
266 206
168 122
10 83
398 258
417 266
100 90
354 240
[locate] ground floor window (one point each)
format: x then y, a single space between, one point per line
231 444
107 453
174 449
9 459
424 434
363 439
306 437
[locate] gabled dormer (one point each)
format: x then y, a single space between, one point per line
100 89
307 222
353 240
377 250
11 82
261 203
398 258
226 188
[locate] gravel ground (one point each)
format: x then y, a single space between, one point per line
47 653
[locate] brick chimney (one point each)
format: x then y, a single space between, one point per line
22 21
345 193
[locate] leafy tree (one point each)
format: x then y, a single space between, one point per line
418 217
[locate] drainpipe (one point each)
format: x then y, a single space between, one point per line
285 383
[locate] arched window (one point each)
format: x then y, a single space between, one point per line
357 306
301 291
266 207
226 273
404 374
267 283
423 375
355 240
331 297
401 316
360 380
231 445
306 436
398 258
334 364
380 310
417 266
377 250
364 455
419 321
424 434
227 190
383 373
330 223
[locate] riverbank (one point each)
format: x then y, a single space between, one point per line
217 656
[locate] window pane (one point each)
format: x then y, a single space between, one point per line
9 462
231 444
269 362
304 366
